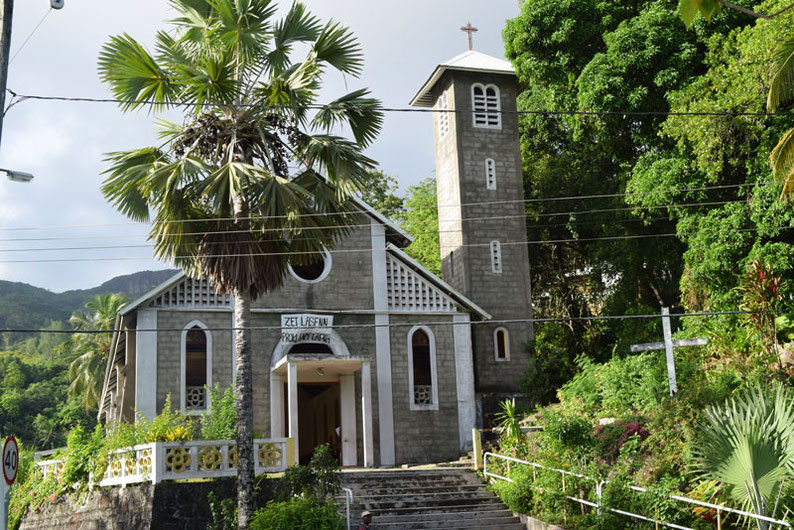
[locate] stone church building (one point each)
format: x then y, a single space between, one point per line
366 348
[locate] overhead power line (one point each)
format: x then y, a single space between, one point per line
361 212
370 249
545 112
409 324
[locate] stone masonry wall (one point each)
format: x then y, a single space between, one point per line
425 435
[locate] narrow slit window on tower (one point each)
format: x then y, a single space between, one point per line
496 257
501 345
195 375
422 369
490 173
443 116
486 106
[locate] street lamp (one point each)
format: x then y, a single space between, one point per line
17 176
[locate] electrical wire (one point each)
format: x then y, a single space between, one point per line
355 212
624 113
367 249
28 39
411 324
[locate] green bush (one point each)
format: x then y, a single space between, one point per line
223 513
300 513
320 479
221 421
82 449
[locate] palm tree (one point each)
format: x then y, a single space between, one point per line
747 445
781 93
86 371
219 191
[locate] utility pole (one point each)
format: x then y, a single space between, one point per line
5 49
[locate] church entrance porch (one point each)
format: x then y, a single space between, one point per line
304 391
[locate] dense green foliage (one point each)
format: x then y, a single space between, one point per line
420 219
659 239
221 422
299 513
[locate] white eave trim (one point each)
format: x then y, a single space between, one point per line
438 282
424 98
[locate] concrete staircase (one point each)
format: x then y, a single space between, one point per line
409 499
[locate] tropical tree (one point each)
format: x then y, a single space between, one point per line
219 191
86 371
747 445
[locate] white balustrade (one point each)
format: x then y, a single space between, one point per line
159 461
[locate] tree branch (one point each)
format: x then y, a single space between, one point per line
753 13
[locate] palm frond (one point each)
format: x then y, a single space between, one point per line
299 25
782 161
244 25
125 186
134 76
362 114
781 86
339 159
338 47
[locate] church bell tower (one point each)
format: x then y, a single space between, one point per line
482 227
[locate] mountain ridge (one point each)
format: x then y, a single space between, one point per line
25 306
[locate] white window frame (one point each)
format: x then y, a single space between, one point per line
328 263
490 173
433 376
486 112
496 257
443 116
496 345
183 366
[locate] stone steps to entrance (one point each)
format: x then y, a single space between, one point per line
413 499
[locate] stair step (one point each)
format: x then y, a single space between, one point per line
511 522
441 515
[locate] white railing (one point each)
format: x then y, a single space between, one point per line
599 487
50 468
159 461
348 503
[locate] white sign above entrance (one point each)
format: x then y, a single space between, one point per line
306 327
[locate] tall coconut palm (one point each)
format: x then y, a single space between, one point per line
781 93
86 371
747 445
219 191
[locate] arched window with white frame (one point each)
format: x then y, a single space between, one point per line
486 106
496 257
422 379
501 344
490 173
195 367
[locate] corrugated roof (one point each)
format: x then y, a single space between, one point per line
472 61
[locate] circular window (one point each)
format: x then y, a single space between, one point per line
314 271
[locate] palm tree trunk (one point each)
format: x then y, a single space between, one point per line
245 414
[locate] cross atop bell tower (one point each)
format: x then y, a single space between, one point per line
469 29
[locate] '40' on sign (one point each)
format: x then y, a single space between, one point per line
10 460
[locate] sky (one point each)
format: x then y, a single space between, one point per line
63 143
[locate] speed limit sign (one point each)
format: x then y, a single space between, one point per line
10 460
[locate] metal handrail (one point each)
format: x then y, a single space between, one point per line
348 503
599 492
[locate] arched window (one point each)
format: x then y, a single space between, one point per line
496 257
486 105
501 344
490 173
196 364
443 117
422 369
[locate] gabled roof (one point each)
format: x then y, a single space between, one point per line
438 282
471 61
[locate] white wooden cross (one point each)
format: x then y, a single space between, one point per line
668 345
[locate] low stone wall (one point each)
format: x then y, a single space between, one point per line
166 506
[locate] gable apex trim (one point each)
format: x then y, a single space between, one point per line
135 304
400 255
